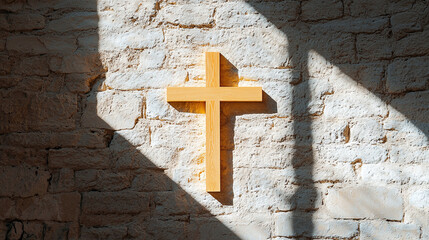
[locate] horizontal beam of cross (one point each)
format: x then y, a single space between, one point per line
202 94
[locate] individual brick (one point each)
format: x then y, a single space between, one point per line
388 230
352 25
420 46
30 66
187 14
23 111
405 22
57 230
146 79
79 158
88 42
62 207
381 173
135 38
419 199
175 203
191 37
81 82
408 75
408 154
112 109
76 21
23 181
292 225
26 22
241 14
336 47
371 47
318 10
416 173
4 23
149 181
59 43
14 156
104 233
362 105
367 131
372 202
62 180
7 210
122 202
79 138
414 106
76 62
102 180
11 6
368 8
62 4
366 153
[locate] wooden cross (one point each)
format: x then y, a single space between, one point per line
213 94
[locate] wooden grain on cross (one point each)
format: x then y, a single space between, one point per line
212 95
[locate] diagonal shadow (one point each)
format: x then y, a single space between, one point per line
342 37
341 31
163 211
122 193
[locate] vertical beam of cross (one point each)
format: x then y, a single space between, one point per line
213 94
213 125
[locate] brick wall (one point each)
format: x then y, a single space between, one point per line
90 149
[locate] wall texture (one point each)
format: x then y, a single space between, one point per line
90 149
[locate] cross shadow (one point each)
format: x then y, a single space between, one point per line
363 44
229 111
83 178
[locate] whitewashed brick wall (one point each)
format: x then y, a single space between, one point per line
90 149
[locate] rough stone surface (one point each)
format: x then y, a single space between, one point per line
58 207
23 181
25 44
101 109
32 66
115 202
146 79
388 230
29 111
26 21
7 209
284 227
187 15
408 75
78 158
74 22
318 10
419 199
365 202
91 149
